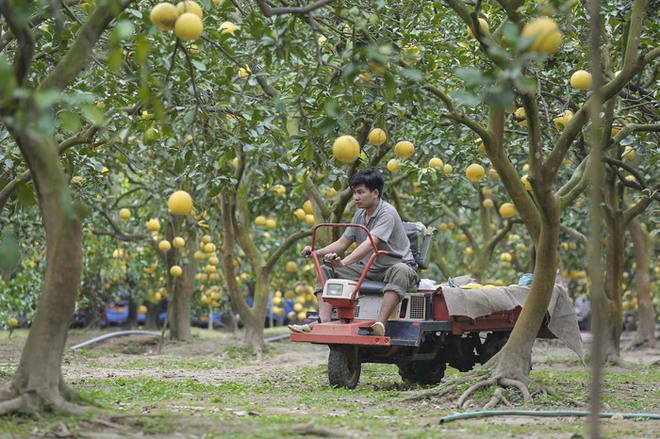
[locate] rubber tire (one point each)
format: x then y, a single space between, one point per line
425 373
344 366
494 343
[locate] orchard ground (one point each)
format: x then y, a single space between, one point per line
213 388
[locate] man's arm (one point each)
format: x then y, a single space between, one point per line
360 252
337 247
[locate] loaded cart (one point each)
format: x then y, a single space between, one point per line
434 327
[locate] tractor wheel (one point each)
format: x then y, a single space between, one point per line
344 366
407 372
494 343
425 373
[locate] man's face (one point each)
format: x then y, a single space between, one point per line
363 197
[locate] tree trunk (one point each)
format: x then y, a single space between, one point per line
643 246
254 334
516 355
179 319
181 288
614 261
38 381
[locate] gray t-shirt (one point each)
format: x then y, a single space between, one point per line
386 225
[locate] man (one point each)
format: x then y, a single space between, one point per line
384 223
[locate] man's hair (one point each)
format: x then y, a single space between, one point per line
371 178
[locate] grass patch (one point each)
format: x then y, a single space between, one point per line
214 388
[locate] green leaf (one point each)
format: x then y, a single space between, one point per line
8 83
10 254
472 76
390 87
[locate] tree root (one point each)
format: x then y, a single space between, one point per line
498 397
615 360
12 405
35 402
462 400
445 389
641 343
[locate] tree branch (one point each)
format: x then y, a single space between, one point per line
288 242
300 10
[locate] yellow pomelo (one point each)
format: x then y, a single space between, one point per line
546 34
291 267
507 210
124 213
483 27
180 203
308 208
562 120
210 269
227 27
436 162
206 239
178 242
487 192
404 149
164 245
260 221
492 173
505 257
142 309
164 15
487 203
394 165
289 295
213 260
190 6
209 247
199 255
525 181
520 114
153 225
447 168
12 322
176 271
475 172
271 223
346 149
628 153
309 219
581 80
299 214
188 27
377 137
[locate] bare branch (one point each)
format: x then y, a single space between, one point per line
288 242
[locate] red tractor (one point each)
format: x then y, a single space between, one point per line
421 337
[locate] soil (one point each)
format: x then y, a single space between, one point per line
79 368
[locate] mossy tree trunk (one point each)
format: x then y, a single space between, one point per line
236 231
614 263
180 288
37 383
643 248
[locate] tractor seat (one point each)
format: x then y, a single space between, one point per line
372 287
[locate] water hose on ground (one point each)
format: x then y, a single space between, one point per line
112 334
543 413
155 334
